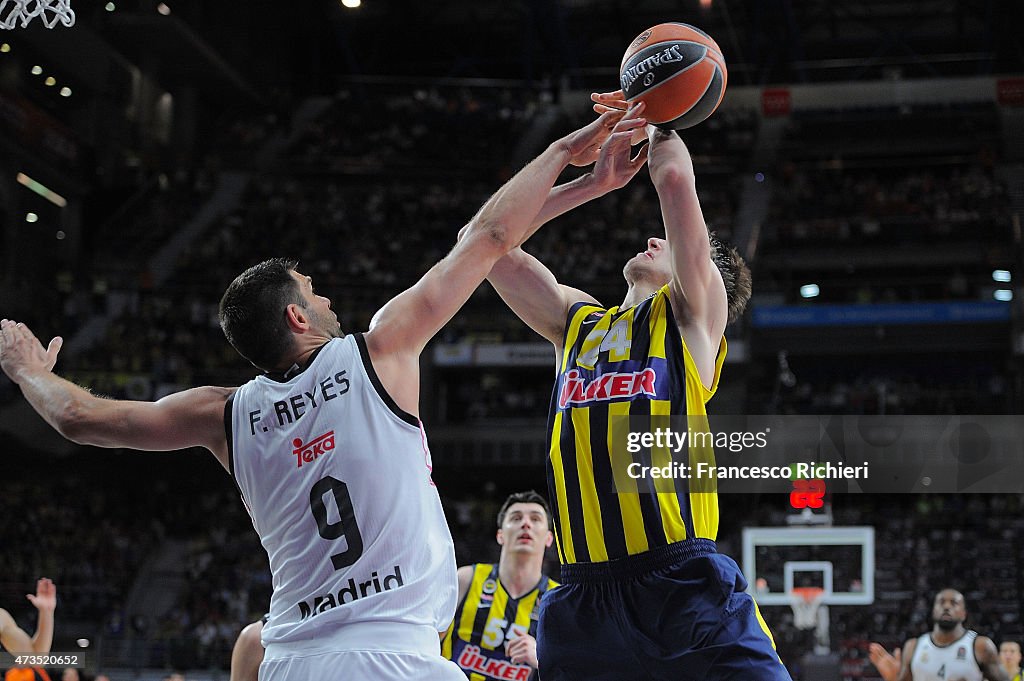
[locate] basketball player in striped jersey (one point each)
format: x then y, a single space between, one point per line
645 593
1009 657
15 640
326 448
950 652
495 628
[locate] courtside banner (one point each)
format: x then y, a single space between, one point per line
851 454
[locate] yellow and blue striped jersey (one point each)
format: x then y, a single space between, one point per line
486 620
619 368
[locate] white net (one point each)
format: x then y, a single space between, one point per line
805 608
50 12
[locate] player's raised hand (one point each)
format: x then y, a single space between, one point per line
45 599
615 101
584 145
616 165
887 665
20 350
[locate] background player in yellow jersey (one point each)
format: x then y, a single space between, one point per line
645 594
494 632
1009 657
15 640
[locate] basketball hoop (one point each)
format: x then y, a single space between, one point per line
50 12
805 601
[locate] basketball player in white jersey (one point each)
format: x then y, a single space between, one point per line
326 447
950 652
15 640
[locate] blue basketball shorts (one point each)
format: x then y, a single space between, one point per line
677 613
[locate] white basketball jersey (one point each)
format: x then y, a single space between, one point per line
336 478
955 662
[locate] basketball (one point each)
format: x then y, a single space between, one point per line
678 71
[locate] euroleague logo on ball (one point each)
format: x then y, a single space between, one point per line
648 79
641 39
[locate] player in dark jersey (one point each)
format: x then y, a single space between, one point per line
495 627
949 652
15 640
645 593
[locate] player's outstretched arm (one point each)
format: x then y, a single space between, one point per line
696 281
45 601
13 638
987 654
888 666
528 287
192 418
407 322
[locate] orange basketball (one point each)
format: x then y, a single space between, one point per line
676 69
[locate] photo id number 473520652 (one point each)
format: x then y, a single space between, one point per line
45 660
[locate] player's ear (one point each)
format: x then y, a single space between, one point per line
295 315
549 539
500 536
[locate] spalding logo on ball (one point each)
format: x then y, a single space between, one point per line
676 69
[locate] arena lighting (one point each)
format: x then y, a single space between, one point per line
1003 294
65 92
163 9
351 4
50 80
809 291
5 48
43 191
36 70
110 7
31 217
1001 275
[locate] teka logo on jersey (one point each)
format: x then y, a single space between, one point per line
311 451
473 659
614 386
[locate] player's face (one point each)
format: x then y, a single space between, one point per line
1009 655
949 609
525 529
318 308
653 265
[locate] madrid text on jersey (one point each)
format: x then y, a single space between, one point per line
350 593
292 408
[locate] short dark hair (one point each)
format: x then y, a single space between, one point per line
252 312
528 497
735 275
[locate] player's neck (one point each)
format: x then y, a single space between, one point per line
519 574
943 637
637 293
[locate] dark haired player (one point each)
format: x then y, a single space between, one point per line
495 628
645 594
327 448
949 652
